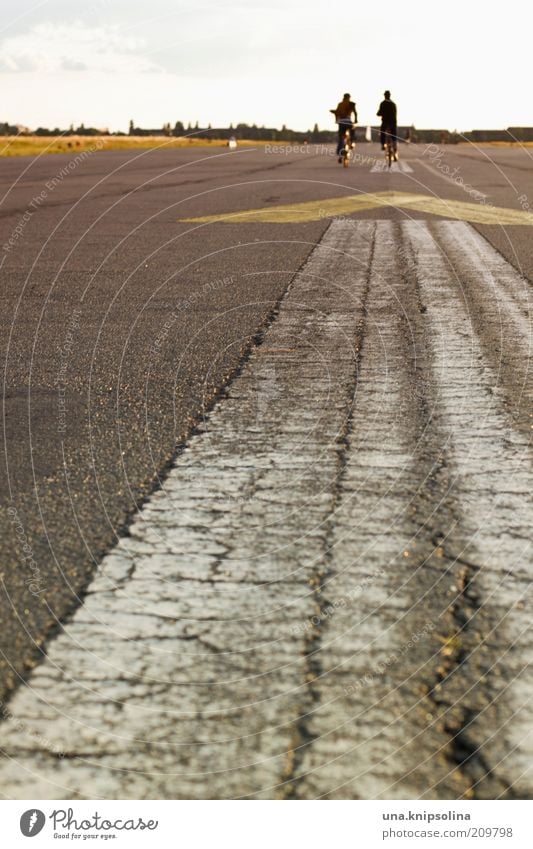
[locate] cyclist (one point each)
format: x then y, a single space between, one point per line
343 116
387 113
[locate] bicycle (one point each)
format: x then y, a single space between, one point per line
346 151
390 152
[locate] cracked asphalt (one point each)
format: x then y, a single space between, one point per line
267 514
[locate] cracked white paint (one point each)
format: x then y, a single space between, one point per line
184 673
490 460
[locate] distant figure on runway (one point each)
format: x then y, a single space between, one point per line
343 116
389 123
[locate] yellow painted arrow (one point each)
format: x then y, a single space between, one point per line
478 213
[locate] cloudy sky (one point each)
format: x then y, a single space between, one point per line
457 64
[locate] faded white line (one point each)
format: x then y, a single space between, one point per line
396 167
184 674
366 739
493 481
505 290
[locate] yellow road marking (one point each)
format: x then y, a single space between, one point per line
314 210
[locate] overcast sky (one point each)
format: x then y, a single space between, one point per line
459 64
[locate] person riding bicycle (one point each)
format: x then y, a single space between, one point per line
387 113
343 116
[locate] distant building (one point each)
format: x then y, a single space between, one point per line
512 134
486 136
404 132
143 131
433 136
521 133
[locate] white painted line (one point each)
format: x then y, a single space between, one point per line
204 661
357 743
396 167
366 735
506 293
493 474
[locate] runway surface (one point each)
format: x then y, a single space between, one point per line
267 514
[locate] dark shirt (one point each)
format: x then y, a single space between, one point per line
387 113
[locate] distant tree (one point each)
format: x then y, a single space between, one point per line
8 129
241 130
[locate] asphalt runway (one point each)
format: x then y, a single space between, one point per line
139 291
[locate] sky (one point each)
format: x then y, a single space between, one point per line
455 64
